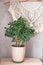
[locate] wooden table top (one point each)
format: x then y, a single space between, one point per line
27 61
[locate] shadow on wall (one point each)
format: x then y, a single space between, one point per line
34 46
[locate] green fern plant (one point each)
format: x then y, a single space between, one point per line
19 30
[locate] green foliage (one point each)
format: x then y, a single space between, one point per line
19 30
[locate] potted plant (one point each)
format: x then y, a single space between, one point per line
20 31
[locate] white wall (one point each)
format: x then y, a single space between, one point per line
34 46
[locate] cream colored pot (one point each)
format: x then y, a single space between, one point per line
18 54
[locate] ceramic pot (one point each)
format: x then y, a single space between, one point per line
18 53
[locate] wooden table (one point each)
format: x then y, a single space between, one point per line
27 61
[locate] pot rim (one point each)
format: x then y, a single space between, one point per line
18 46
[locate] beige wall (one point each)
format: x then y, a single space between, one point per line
34 46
